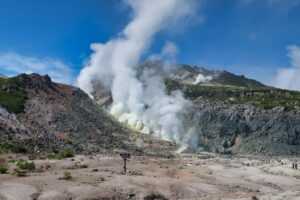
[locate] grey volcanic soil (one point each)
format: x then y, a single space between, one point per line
188 176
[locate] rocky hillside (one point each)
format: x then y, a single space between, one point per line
230 88
232 128
234 114
237 114
42 115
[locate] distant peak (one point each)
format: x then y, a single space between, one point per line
3 76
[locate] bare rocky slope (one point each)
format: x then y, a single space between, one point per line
234 114
42 115
228 128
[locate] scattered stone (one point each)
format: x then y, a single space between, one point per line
94 170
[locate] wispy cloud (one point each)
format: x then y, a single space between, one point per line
289 78
282 6
12 63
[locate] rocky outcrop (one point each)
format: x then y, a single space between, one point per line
11 126
227 128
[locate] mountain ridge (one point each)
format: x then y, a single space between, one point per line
188 74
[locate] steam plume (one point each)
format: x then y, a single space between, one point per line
202 79
141 101
288 78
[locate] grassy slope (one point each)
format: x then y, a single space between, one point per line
265 97
12 98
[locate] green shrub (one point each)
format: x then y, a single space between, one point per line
65 153
78 166
24 164
3 169
67 176
12 148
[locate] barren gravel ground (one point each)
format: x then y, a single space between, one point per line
188 176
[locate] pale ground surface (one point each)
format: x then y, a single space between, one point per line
189 176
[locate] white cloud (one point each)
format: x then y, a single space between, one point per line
12 63
289 78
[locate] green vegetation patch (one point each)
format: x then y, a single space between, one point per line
12 148
78 166
67 176
12 96
3 169
25 165
13 100
264 97
14 80
65 153
22 166
3 166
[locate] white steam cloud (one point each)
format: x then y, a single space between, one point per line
202 79
142 101
167 55
289 78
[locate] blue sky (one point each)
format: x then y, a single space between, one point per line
242 36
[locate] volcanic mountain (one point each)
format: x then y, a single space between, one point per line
232 114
